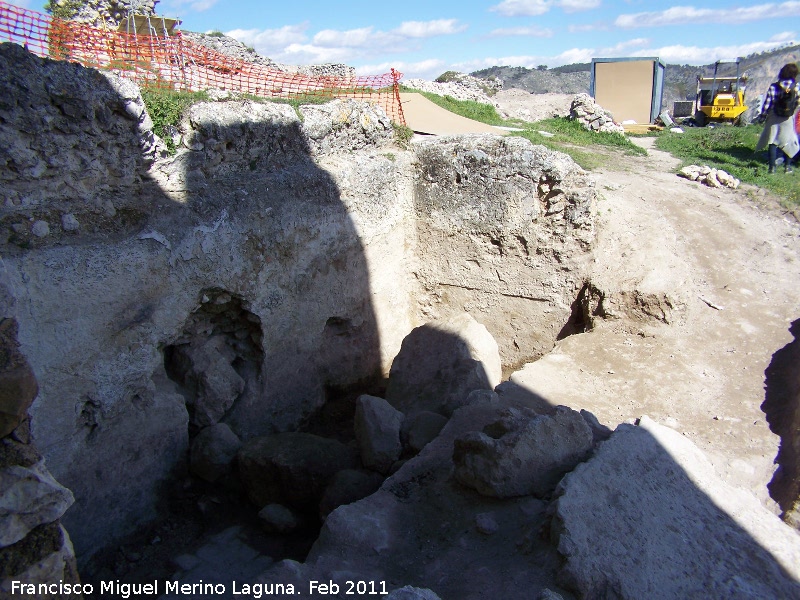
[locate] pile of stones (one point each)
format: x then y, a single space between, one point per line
716 178
111 12
238 50
593 116
462 87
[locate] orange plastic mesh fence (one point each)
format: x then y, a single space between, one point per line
175 63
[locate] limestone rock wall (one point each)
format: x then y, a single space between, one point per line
269 247
504 232
278 254
34 547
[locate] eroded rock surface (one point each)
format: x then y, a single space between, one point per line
377 429
300 250
292 468
647 517
440 363
505 229
522 453
34 547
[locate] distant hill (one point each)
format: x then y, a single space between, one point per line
540 81
679 80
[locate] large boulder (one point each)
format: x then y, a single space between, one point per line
204 367
346 487
419 430
292 469
213 452
522 453
440 363
377 428
29 497
647 517
412 593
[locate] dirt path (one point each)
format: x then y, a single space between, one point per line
724 273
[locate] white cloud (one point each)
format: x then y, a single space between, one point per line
588 27
698 55
681 15
177 6
533 8
522 8
578 5
522 31
309 54
352 38
270 41
425 69
675 54
291 44
786 36
424 29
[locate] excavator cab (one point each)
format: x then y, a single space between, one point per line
720 99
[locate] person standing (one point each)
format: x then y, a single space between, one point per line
778 110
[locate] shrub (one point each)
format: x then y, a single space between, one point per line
66 9
447 77
166 107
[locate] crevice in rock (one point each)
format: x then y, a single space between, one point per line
216 357
578 321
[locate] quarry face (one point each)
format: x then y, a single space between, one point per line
180 310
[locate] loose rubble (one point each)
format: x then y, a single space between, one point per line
716 178
462 87
592 116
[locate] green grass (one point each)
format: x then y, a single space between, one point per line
733 150
166 107
477 111
569 136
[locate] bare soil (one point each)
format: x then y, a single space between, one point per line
704 283
519 104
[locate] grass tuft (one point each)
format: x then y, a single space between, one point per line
166 107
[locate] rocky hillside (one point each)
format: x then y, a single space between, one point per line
538 81
679 80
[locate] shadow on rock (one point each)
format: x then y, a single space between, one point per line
782 408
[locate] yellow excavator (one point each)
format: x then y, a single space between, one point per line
720 99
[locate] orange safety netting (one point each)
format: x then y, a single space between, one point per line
175 63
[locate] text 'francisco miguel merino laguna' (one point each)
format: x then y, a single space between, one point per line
252 590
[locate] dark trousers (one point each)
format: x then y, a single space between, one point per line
773 157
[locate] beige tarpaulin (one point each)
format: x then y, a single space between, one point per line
423 116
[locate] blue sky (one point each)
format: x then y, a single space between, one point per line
424 38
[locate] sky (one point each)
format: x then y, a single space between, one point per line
425 38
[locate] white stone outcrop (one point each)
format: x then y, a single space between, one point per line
647 517
716 178
461 87
592 116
